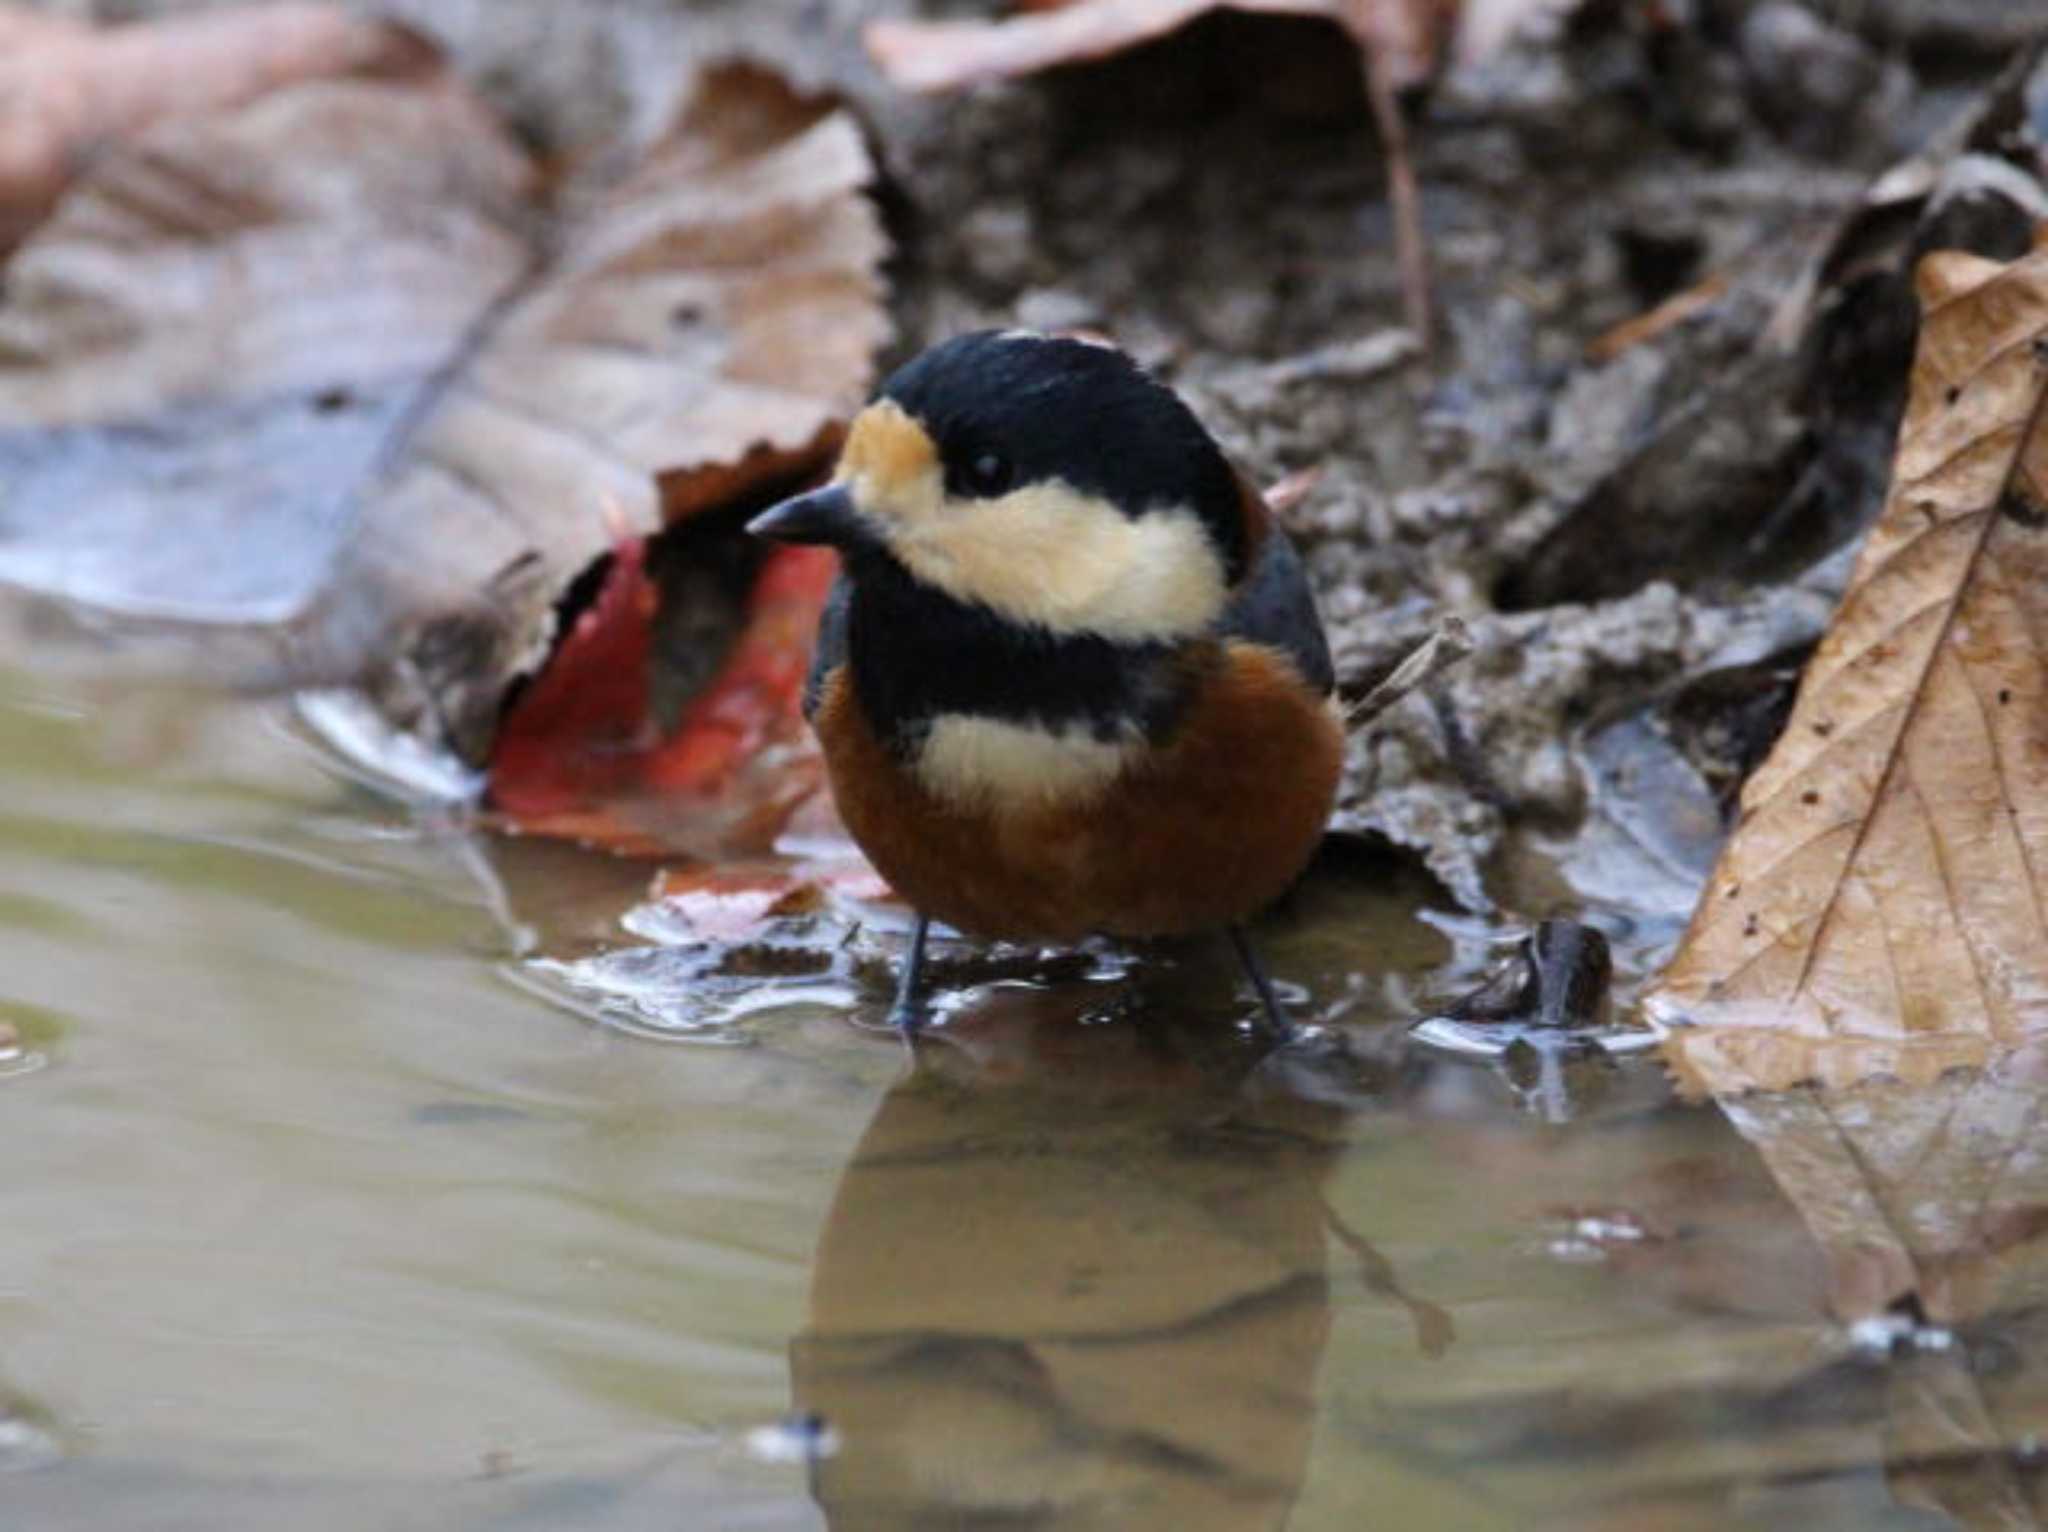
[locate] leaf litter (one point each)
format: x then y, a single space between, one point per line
352 332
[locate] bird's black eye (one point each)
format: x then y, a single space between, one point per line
988 473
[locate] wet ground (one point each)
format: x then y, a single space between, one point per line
322 1212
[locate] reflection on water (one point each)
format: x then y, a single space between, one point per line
1094 1295
315 1221
1931 1206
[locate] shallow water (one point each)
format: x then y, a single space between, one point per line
327 1207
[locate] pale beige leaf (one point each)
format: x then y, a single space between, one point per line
937 56
1487 26
202 354
1881 907
324 374
67 88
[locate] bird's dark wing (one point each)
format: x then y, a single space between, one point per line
1272 605
830 653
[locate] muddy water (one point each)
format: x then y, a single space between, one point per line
321 1211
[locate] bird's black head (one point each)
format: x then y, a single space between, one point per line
1050 480
1009 409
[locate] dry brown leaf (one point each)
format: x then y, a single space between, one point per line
1880 908
66 88
936 56
321 372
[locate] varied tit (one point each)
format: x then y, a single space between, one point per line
1071 680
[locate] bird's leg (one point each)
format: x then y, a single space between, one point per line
907 1014
1277 1024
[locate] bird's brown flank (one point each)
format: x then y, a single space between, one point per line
1194 835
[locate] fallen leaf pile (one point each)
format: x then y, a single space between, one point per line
337 383
1882 908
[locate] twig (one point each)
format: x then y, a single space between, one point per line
1410 253
1434 1329
1283 495
1647 326
1448 645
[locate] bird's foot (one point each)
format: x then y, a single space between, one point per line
908 1015
1278 1029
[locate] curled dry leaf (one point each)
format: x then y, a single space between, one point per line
204 352
325 376
66 87
939 56
1881 908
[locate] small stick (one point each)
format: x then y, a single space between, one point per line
1647 326
1448 645
1285 494
1410 253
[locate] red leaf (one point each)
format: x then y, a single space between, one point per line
578 756
731 904
754 698
582 728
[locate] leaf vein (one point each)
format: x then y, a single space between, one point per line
2029 425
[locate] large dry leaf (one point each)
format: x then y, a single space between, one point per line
324 374
949 55
1881 908
66 88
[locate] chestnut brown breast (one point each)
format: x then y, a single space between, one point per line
1193 835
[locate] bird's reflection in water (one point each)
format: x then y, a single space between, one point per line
1080 1289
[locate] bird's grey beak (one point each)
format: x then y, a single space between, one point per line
825 516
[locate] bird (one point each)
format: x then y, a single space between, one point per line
1070 681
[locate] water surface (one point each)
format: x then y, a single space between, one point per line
322 1212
